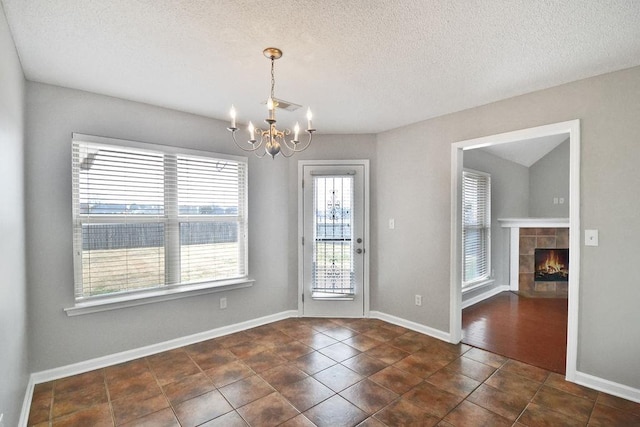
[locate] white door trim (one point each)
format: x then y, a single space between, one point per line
366 247
571 127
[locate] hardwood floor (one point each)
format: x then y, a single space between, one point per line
531 330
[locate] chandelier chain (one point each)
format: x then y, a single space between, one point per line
273 79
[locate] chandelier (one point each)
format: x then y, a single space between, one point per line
271 140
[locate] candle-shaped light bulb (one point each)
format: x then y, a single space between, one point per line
251 132
233 116
270 107
309 117
296 131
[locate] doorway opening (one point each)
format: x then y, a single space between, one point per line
572 130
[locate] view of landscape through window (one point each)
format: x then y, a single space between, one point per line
148 218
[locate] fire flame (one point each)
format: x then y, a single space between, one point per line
551 264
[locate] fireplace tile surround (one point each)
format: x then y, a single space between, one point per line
527 234
545 238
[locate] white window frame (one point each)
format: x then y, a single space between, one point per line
90 304
480 280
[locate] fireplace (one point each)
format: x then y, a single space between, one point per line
527 234
551 265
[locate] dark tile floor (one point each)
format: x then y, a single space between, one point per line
531 330
325 372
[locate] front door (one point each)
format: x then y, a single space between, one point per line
334 239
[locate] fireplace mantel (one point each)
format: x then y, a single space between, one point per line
534 222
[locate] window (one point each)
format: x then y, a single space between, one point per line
476 226
150 217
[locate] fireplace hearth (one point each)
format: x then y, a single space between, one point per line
551 265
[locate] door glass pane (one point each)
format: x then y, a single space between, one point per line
332 244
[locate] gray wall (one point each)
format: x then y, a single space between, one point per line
413 185
53 114
549 178
509 199
13 286
55 339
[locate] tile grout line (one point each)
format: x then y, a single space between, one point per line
593 408
155 377
549 379
106 387
233 409
53 387
469 394
530 401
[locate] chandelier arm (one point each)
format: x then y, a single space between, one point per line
253 145
286 144
297 150
289 144
286 148
294 148
284 154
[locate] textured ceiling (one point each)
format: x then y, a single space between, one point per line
362 65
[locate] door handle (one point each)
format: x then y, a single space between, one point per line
359 251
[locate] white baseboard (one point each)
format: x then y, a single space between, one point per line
436 333
26 403
125 356
485 295
608 387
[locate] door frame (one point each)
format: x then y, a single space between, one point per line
367 247
572 128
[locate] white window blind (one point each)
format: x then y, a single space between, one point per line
148 216
476 226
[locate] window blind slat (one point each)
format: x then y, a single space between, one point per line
476 226
146 218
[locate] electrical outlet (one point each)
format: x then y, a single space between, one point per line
418 300
392 223
223 303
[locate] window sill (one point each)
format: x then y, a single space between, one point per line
478 285
150 297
